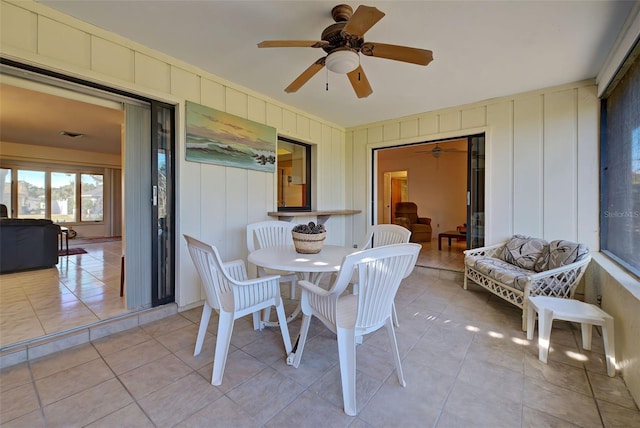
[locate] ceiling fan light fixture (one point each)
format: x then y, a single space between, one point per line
342 61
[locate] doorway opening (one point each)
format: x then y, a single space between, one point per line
445 180
136 204
395 190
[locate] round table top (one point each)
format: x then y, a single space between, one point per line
285 258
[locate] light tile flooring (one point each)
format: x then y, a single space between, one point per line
85 288
449 258
81 290
466 362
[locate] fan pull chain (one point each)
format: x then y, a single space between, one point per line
359 65
327 81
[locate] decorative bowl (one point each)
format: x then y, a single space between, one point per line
308 243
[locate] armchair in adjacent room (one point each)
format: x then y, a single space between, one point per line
406 215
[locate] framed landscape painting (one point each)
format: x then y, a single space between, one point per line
224 139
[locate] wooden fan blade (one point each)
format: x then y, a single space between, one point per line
362 20
360 82
305 76
397 53
293 44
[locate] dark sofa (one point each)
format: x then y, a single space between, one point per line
28 244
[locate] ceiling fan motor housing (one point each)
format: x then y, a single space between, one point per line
337 40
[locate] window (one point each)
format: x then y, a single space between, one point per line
31 194
620 167
92 194
53 194
294 175
63 197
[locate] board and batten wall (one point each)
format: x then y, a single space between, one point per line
541 159
214 203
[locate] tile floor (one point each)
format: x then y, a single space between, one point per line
466 361
81 290
85 288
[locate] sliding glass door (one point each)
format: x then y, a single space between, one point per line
162 208
475 191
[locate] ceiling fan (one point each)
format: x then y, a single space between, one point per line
437 151
343 42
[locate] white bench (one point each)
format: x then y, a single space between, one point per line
550 308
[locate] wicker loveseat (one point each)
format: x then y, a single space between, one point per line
526 266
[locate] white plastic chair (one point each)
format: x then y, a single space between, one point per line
385 234
233 296
380 271
266 234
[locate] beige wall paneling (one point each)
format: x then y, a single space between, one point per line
360 171
213 94
236 205
213 200
474 117
499 173
274 116
348 188
588 168
322 176
408 128
289 123
152 73
112 59
302 127
391 131
332 183
374 134
236 102
19 28
261 195
560 158
257 110
450 121
527 166
428 124
189 209
64 43
185 84
315 130
338 193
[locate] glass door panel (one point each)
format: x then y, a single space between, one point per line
163 203
475 192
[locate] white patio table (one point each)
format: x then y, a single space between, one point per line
308 267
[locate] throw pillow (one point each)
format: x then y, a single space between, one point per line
562 253
523 251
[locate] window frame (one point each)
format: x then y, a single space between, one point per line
308 175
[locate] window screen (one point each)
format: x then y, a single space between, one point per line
620 168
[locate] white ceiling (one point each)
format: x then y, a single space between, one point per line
37 118
482 49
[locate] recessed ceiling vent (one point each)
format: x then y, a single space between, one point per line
71 134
